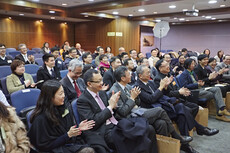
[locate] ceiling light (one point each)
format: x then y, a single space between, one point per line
208 17
172 6
91 0
154 12
130 14
21 14
86 16
52 17
141 10
181 19
185 10
145 22
186 20
65 22
101 15
158 20
115 13
212 1
51 11
63 4
173 23
40 20
203 16
213 18
220 20
222 5
35 0
9 18
175 18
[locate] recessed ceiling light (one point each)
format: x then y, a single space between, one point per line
181 19
158 20
141 10
175 18
212 1
63 4
115 13
9 18
86 16
101 15
40 20
35 0
222 5
65 22
52 17
186 20
91 0
145 22
130 14
51 11
213 18
220 20
185 10
208 17
21 14
173 23
203 16
154 12
172 6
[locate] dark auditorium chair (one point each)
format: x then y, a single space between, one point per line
93 63
10 50
75 112
63 73
4 89
14 53
148 55
28 115
5 71
37 50
39 61
34 76
24 99
31 68
38 55
31 52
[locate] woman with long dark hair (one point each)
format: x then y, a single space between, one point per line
13 133
53 128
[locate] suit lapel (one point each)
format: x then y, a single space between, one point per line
123 94
69 85
93 102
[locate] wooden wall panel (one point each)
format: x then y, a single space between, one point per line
34 33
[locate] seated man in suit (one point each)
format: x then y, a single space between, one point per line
72 83
108 77
128 106
133 56
23 56
58 61
225 64
173 90
4 60
72 55
48 71
151 96
130 65
94 104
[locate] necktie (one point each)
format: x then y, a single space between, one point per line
77 89
102 106
150 87
52 73
127 92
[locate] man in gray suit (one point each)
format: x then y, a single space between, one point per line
128 102
225 64
72 83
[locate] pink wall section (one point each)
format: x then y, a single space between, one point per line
197 37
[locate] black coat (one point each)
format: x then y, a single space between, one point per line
109 78
8 60
20 57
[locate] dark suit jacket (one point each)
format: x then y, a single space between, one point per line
20 57
185 80
133 78
90 110
109 78
43 74
70 92
125 104
202 74
59 64
8 60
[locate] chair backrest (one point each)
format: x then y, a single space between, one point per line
34 76
28 115
31 68
4 87
9 50
5 71
148 55
177 78
39 61
24 98
75 112
37 50
14 53
31 52
63 73
38 55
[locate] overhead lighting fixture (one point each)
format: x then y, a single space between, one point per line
173 23
181 19
220 20
187 20
175 18
158 20
213 18
35 0
130 14
172 6
86 16
203 16
52 17
212 1
185 10
222 5
40 20
145 22
208 17
141 10
101 15
63 4
91 0
21 14
9 18
65 22
51 11
115 13
154 12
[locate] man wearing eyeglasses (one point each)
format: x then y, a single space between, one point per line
27 59
72 83
4 60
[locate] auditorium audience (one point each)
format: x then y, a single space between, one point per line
48 71
72 83
72 55
13 135
104 64
94 104
184 52
45 48
133 56
129 64
123 57
58 61
53 126
65 50
100 51
87 58
225 64
153 59
140 55
180 65
4 59
219 57
108 52
18 80
207 52
27 59
3 99
79 50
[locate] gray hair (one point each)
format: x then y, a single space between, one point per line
20 45
121 48
140 70
75 63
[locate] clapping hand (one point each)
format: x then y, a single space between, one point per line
86 125
135 92
105 87
114 99
184 91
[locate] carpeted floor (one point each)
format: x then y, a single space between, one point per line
219 143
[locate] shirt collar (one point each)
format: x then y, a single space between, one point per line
123 87
92 93
70 79
48 68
